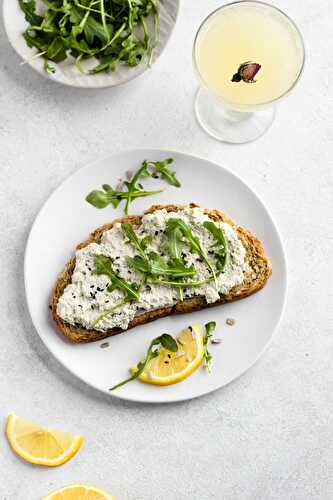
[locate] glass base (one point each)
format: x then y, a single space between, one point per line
228 125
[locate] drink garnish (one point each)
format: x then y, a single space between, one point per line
246 72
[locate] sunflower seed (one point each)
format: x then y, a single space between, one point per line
216 341
230 321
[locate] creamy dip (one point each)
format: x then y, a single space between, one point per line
86 297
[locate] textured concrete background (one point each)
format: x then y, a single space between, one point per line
266 436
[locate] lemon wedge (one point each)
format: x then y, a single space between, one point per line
79 492
39 445
172 367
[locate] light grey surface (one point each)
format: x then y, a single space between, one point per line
266 436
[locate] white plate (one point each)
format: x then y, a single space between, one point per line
66 219
66 73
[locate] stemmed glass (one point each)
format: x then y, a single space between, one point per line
247 55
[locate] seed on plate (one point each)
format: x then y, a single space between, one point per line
179 354
230 321
105 345
216 341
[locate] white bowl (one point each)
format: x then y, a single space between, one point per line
66 73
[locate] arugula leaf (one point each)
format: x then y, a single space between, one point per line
154 265
161 168
192 240
210 327
221 247
180 284
29 9
107 312
175 247
103 265
175 241
36 41
56 51
48 68
140 245
153 351
131 185
169 343
100 199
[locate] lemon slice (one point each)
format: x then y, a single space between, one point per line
79 492
39 445
172 367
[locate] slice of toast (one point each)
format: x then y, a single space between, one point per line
259 270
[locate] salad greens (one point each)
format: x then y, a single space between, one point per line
101 199
175 245
166 341
113 31
181 284
221 247
160 169
140 245
193 241
103 266
157 266
210 327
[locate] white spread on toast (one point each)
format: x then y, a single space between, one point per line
86 298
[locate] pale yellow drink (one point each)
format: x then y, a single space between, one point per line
242 32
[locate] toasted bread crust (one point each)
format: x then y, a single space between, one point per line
255 279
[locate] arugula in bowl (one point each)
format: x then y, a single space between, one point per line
111 31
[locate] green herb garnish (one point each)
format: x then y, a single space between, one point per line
103 266
140 245
175 247
154 265
112 31
165 341
221 247
210 327
180 284
193 241
101 199
160 168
